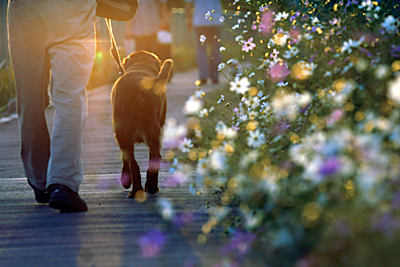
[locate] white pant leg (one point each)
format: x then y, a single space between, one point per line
71 52
56 35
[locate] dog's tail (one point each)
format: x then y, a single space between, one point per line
165 71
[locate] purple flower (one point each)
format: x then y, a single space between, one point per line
151 243
294 16
281 127
240 244
395 52
396 200
386 224
330 166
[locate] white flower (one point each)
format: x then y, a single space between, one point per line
193 105
221 19
166 207
203 112
393 92
222 48
292 52
351 43
286 105
281 16
389 24
208 15
221 66
225 131
173 133
185 145
253 102
255 139
305 99
240 86
202 38
314 20
382 71
239 38
217 160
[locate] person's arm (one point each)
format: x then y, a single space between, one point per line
188 8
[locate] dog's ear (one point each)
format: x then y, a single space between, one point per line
165 71
162 78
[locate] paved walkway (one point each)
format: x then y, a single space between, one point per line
108 234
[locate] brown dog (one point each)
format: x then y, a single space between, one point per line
139 107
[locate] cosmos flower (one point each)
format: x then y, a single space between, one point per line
292 52
248 45
329 167
252 102
202 38
173 133
240 244
348 45
208 15
393 92
281 16
267 22
193 105
390 24
217 160
152 243
240 86
255 139
166 208
185 145
279 71
177 178
281 38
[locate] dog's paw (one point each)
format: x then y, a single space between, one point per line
126 180
152 190
139 196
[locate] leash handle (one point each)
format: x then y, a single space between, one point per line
114 49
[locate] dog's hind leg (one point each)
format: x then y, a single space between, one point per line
126 145
130 169
154 165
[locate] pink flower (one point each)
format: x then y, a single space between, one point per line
279 71
248 45
267 22
335 116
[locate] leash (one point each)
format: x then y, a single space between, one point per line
114 49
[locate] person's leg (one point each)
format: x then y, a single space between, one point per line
216 57
71 51
201 50
27 37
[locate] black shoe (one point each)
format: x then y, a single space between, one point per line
65 200
42 196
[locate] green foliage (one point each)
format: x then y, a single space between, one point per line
7 86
